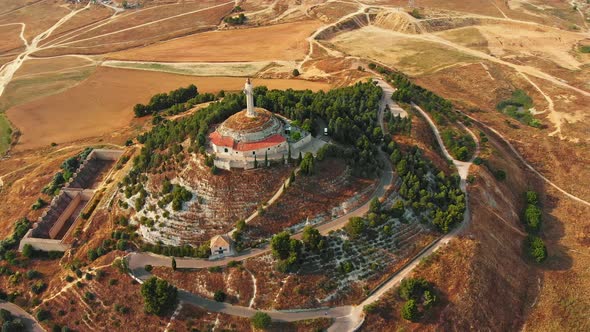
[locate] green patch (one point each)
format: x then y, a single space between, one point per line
5 133
584 49
517 107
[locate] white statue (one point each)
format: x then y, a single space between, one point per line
249 91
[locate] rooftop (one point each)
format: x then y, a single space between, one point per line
242 123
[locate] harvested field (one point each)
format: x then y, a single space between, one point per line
27 88
275 42
142 34
10 36
39 66
413 57
77 23
38 17
239 69
106 102
332 191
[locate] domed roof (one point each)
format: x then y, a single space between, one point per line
243 128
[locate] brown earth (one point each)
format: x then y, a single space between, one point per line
38 17
275 42
122 37
103 103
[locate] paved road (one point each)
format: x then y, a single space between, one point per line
388 91
355 319
346 318
30 323
139 260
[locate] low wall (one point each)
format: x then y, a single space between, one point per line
42 244
105 154
302 142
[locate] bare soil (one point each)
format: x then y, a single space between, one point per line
275 42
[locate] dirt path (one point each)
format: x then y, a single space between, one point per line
346 318
141 25
529 166
7 73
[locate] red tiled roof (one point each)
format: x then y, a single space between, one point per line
219 140
226 141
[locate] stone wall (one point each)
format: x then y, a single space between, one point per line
42 236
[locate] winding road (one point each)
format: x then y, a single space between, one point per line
29 321
346 318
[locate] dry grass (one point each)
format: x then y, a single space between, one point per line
38 17
310 197
11 42
411 56
107 101
276 42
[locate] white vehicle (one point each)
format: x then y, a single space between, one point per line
325 131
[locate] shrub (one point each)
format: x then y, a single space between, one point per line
296 72
69 278
148 268
410 311
219 296
369 308
42 315
32 274
536 248
260 320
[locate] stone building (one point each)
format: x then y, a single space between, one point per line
249 134
221 246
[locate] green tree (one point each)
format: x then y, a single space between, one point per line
296 72
307 164
536 248
375 205
281 245
158 295
260 320
311 238
410 311
356 227
531 197
28 251
173 264
219 296
265 158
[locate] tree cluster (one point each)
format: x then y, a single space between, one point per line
351 113
69 167
287 251
7 246
426 189
398 125
176 194
461 146
202 251
159 296
534 245
10 323
235 20
162 101
419 296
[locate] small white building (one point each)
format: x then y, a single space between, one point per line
221 246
